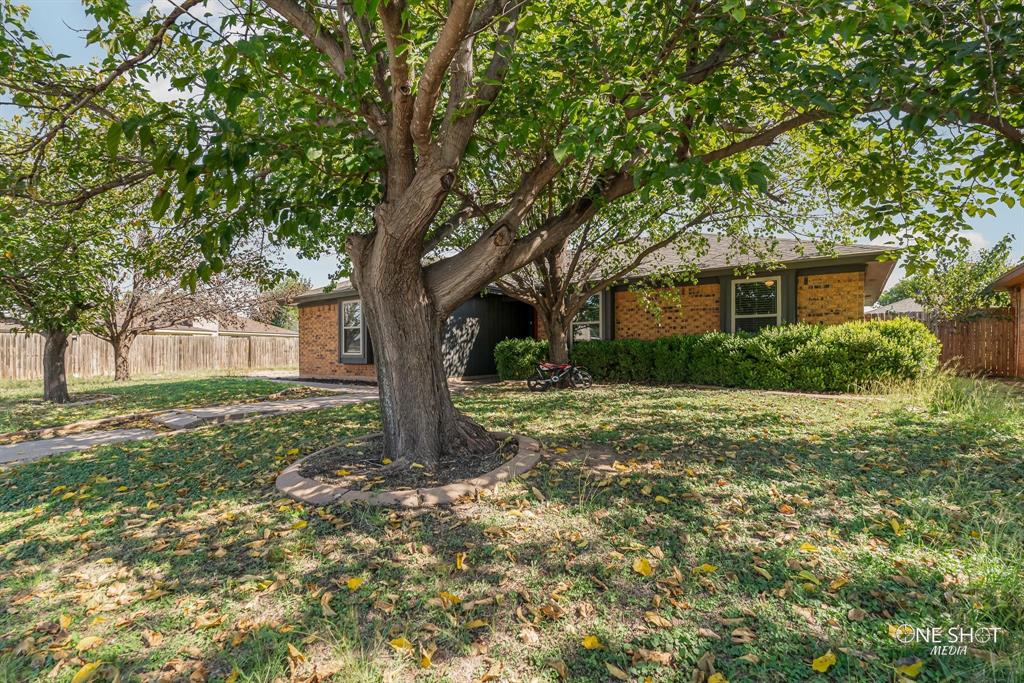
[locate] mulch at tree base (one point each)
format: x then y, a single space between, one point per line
363 466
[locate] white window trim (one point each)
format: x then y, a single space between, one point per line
599 321
778 300
358 302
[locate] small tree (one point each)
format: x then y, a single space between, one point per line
957 285
636 234
274 307
143 291
52 264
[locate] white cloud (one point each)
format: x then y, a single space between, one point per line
977 240
162 91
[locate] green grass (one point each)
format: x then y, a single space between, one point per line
186 537
21 407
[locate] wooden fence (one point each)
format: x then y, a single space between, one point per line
21 355
981 345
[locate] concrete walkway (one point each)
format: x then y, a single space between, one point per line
27 451
193 417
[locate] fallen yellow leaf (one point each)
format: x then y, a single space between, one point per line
449 598
707 568
642 566
896 527
661 499
65 621
591 642
293 653
355 582
808 548
911 668
427 656
824 662
87 672
717 677
88 643
232 677
460 561
401 643
476 623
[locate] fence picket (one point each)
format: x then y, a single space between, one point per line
982 345
21 355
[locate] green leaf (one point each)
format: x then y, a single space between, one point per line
160 204
113 138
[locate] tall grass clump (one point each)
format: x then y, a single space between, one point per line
971 400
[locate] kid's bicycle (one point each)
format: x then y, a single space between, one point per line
551 374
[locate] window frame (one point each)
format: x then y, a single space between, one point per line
342 353
778 300
599 322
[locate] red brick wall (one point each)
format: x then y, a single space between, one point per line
830 298
318 345
696 311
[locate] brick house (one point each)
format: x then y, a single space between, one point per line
727 293
1013 282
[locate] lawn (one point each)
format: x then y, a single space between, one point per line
20 407
740 534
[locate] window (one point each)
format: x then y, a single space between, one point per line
755 304
351 328
587 323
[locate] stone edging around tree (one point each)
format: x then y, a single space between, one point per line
312 492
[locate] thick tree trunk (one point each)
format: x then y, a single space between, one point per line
420 423
122 346
55 381
558 338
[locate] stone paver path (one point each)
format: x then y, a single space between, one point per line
26 451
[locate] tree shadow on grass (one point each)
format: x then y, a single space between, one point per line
725 473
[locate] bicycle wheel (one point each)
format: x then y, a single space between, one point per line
538 382
581 379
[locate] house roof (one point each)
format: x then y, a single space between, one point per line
237 327
344 289
725 255
907 305
1011 278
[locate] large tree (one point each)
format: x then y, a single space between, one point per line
370 123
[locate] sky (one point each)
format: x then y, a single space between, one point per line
63 24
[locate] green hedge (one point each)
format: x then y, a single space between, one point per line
518 358
797 357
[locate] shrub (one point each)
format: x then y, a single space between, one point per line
804 357
518 358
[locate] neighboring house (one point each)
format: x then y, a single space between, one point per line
240 327
904 307
805 286
1012 282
